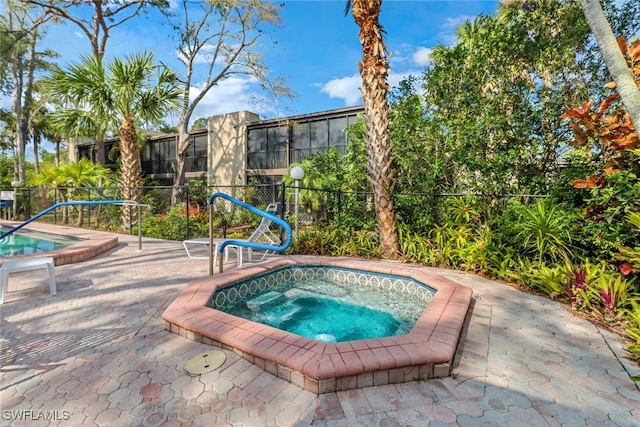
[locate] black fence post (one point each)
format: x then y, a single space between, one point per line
28 203
339 206
283 188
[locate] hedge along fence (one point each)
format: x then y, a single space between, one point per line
317 207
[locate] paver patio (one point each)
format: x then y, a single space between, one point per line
97 354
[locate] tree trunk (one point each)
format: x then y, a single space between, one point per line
616 64
36 154
16 108
179 169
100 155
130 174
57 151
374 69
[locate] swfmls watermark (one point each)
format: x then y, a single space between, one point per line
31 415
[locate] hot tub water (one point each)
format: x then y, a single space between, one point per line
330 305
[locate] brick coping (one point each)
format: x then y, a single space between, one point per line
92 244
427 351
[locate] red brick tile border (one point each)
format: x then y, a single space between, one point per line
93 243
425 352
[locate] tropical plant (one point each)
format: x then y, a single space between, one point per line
315 242
548 279
94 98
607 140
70 177
546 233
321 171
174 224
608 133
634 328
374 69
413 246
601 224
630 257
625 85
615 293
502 262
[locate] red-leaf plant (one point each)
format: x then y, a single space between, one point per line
611 132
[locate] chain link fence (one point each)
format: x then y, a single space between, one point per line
317 208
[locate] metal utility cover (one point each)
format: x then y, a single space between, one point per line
205 362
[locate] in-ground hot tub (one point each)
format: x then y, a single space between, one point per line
426 351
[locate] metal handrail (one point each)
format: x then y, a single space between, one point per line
82 202
243 243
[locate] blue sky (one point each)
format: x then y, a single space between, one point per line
317 51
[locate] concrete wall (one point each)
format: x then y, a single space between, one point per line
227 151
72 150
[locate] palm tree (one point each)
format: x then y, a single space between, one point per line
613 57
374 69
116 97
74 176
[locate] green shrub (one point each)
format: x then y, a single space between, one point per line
173 224
633 330
545 232
551 280
603 224
336 242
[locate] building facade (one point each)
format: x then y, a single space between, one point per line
239 146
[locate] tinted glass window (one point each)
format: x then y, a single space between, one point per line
319 133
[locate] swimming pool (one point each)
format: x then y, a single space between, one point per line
327 304
84 244
426 351
25 242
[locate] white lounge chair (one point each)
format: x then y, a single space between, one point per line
262 234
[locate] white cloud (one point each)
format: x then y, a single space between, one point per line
395 78
422 56
229 95
78 34
347 88
448 29
204 56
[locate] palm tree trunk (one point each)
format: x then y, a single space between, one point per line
374 69
130 174
618 68
80 208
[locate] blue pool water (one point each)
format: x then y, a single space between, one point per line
30 242
328 307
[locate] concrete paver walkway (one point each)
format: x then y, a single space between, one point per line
97 354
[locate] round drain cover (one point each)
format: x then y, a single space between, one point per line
205 362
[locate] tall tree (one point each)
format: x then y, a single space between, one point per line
119 96
493 99
613 57
20 59
374 69
96 19
225 36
